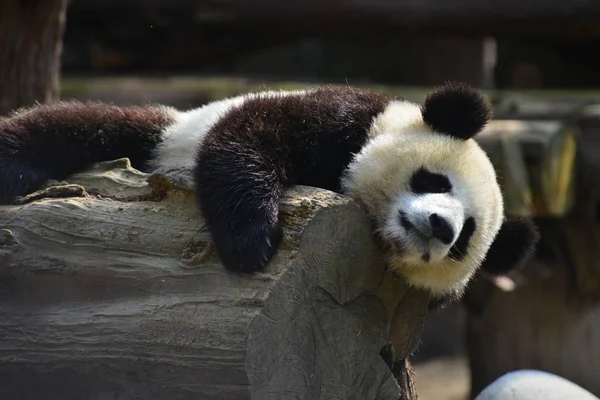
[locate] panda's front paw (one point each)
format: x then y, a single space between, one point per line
251 248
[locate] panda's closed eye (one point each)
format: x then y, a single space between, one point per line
425 181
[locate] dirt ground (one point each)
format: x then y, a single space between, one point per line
444 378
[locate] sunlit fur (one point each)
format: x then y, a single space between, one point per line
379 179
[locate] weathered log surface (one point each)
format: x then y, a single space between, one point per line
125 297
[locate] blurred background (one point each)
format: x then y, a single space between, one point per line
540 44
538 60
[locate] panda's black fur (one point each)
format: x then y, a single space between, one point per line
266 144
253 149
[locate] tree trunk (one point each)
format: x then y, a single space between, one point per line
31 34
115 291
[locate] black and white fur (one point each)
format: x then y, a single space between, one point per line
428 186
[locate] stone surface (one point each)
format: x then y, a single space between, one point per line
533 385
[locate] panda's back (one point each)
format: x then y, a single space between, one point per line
308 136
183 137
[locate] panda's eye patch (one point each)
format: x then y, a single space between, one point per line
459 251
424 181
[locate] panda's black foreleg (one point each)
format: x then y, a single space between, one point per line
239 190
52 141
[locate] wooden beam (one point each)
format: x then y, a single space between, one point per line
465 17
535 162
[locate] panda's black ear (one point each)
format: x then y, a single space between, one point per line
457 110
514 244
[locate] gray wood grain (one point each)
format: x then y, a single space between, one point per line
110 288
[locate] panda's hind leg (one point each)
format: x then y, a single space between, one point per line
52 141
18 178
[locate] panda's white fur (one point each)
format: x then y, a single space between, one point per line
378 178
244 150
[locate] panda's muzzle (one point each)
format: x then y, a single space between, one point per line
441 229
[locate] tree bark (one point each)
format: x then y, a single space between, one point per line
111 288
31 34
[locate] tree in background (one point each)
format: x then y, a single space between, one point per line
31 33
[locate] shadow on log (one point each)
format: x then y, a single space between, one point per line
111 288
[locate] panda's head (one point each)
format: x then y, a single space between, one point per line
433 192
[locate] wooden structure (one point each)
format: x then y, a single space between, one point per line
548 316
541 43
462 16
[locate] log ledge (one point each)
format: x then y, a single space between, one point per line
111 288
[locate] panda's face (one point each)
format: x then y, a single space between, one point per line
428 216
435 198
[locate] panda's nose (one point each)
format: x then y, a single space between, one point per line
441 229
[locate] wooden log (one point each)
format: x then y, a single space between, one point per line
111 288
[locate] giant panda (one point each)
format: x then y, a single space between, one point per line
430 190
